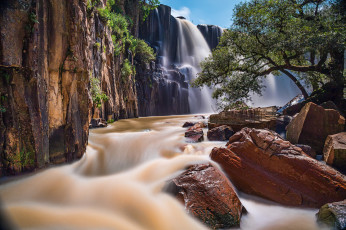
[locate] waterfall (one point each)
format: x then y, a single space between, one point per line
180 47
192 49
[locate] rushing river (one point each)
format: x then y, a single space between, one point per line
119 182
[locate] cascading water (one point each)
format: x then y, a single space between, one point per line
118 184
192 49
180 47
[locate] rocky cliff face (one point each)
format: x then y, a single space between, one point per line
163 88
211 34
49 50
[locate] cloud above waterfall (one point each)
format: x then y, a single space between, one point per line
183 11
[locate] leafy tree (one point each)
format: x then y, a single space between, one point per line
147 6
302 39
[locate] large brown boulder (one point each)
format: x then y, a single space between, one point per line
221 133
209 196
334 152
313 124
333 215
261 163
258 118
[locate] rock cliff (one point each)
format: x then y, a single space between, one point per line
49 51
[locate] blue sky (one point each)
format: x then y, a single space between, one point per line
215 12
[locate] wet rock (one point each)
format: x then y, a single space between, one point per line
97 123
194 135
200 117
308 150
211 34
259 118
334 152
333 215
281 124
261 163
221 133
209 196
188 124
313 124
200 125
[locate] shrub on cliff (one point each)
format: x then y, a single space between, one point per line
302 39
98 96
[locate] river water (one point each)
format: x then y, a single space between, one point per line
118 184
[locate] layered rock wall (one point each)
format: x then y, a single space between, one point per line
49 50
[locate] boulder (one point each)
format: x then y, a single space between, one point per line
97 123
221 133
194 135
208 195
188 124
334 152
308 150
259 118
261 163
312 126
333 215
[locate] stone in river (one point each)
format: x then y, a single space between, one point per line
208 195
334 151
221 133
313 125
259 162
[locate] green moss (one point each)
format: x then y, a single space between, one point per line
110 121
97 45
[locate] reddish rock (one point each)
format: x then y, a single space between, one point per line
261 163
188 124
199 125
308 150
221 133
209 196
313 124
258 118
334 152
195 135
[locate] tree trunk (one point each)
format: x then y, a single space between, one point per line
336 67
296 81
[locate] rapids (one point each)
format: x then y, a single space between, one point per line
118 184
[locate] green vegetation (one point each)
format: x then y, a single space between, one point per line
121 36
148 6
110 121
97 45
3 98
26 158
127 70
98 96
302 39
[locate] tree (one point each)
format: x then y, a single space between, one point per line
302 39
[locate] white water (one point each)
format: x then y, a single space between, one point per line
192 50
118 185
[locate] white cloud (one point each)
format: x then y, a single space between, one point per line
184 11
